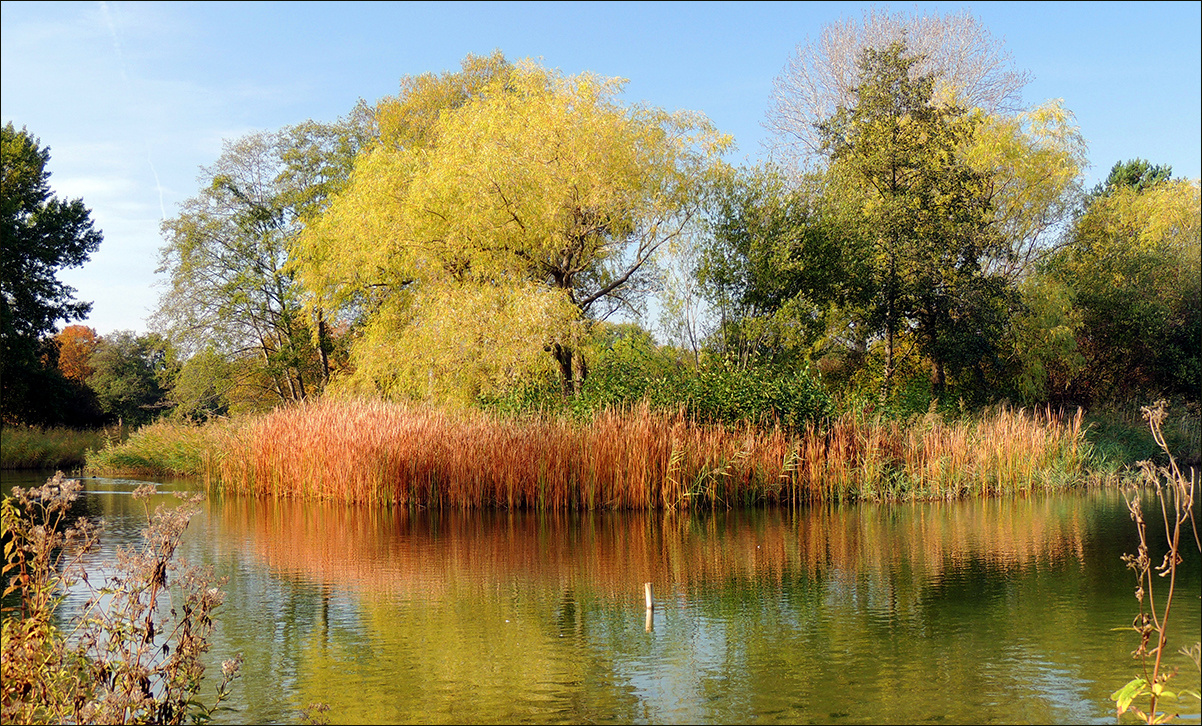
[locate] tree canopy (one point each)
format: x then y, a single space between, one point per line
535 203
1133 268
127 376
76 344
230 291
40 235
956 50
772 266
922 213
483 235
923 196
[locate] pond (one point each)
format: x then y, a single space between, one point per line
979 611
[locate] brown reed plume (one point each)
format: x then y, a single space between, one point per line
374 452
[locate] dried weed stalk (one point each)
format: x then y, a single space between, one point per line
134 654
1176 496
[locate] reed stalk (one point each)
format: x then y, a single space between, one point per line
379 453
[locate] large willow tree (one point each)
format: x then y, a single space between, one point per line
473 241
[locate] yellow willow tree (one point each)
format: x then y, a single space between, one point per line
526 210
1032 162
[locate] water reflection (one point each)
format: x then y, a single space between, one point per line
613 554
964 611
985 611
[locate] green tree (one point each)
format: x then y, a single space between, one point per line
40 234
127 376
1133 268
231 291
207 386
771 268
517 215
1137 174
1047 358
921 214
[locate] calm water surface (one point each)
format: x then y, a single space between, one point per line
967 612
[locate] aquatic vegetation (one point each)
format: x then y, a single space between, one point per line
34 447
164 447
373 452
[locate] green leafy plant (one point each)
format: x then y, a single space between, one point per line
1176 496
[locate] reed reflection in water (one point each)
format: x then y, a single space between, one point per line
992 610
613 553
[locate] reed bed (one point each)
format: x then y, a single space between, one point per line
166 447
378 453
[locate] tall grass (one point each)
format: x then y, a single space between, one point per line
165 447
33 447
374 452
1121 436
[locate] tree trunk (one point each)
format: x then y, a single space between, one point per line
890 328
563 356
938 377
938 380
322 349
570 362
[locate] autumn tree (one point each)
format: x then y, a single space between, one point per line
229 288
76 343
1131 271
498 228
921 213
40 234
1030 164
966 62
977 188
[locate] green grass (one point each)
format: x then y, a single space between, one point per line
1120 437
163 447
26 447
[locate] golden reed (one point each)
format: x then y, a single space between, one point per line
373 452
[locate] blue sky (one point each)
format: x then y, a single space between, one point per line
132 98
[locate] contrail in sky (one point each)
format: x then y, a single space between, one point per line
108 21
112 28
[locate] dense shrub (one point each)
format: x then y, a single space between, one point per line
624 376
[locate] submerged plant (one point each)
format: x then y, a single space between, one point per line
1176 496
134 654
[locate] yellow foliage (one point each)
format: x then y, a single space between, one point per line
1166 215
452 342
1034 161
500 204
